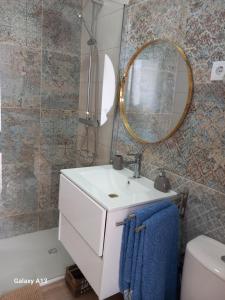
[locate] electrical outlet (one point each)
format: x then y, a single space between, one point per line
218 71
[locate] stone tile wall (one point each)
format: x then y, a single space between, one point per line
39 76
194 157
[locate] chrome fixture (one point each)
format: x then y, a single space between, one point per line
180 200
136 162
89 122
87 154
92 40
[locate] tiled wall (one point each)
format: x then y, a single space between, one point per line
108 27
195 156
39 80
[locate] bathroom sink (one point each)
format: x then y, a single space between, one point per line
93 203
115 189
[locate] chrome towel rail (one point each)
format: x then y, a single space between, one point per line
180 200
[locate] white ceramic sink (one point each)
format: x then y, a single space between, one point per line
89 216
114 189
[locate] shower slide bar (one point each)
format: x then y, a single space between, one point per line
180 200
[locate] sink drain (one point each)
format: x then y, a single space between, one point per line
113 195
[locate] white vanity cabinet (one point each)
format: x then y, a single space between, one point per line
88 222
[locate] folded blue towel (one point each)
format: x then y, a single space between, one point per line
158 270
135 292
130 242
129 256
141 216
123 253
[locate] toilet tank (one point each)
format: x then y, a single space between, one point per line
204 270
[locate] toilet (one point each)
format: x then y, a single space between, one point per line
204 270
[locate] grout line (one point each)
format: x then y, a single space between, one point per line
32 49
41 86
187 180
21 108
60 52
28 213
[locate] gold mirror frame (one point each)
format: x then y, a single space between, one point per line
122 92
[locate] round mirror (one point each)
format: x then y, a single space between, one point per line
156 91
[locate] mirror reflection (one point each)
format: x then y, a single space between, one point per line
156 91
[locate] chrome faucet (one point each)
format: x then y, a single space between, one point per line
136 162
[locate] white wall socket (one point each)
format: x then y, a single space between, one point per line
218 71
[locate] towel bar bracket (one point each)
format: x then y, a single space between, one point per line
120 223
140 228
130 217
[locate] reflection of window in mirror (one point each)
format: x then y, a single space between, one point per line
181 88
108 89
142 86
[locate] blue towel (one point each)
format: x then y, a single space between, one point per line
130 241
123 253
135 292
129 256
141 216
158 269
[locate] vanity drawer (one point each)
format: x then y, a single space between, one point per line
83 213
86 259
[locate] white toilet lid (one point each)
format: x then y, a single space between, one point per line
210 253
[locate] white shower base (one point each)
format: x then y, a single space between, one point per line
27 257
